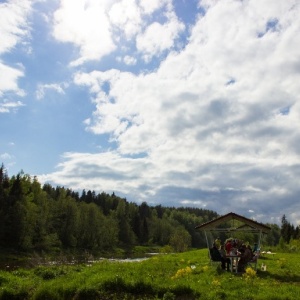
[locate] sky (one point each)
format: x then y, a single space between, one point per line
192 103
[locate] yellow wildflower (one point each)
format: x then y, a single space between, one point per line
250 274
182 272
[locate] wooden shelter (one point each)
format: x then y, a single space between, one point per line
237 223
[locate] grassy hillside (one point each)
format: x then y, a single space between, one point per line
173 276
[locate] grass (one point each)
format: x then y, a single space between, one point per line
173 276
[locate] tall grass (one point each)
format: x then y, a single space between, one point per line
173 276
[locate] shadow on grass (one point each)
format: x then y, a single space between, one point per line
141 290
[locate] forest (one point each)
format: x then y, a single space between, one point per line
46 218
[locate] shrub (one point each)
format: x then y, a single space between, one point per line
114 285
169 296
48 273
3 280
46 293
166 249
13 294
87 293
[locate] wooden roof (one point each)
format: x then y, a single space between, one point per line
248 224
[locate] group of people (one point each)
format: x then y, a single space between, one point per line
222 252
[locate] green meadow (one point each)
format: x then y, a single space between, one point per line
185 275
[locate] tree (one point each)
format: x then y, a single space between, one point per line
16 213
272 238
45 237
90 222
144 210
4 185
180 240
108 233
64 214
282 244
160 231
286 229
69 221
126 234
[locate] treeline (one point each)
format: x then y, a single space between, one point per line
47 218
289 231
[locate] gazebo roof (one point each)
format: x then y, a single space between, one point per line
248 224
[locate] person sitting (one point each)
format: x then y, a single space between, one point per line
215 255
255 247
256 250
222 251
245 257
228 246
250 249
218 243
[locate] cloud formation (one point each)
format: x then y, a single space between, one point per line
214 126
14 29
202 112
9 82
13 24
100 28
42 88
85 24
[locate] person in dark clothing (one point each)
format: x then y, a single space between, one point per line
246 256
215 255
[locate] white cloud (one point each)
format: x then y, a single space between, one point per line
14 29
9 82
5 156
149 7
85 24
131 16
98 28
215 124
95 165
159 37
57 87
7 106
126 15
7 159
13 23
129 60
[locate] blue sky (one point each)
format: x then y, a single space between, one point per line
172 102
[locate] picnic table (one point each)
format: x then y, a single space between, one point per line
263 253
234 260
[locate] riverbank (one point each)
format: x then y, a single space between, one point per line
172 276
10 259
